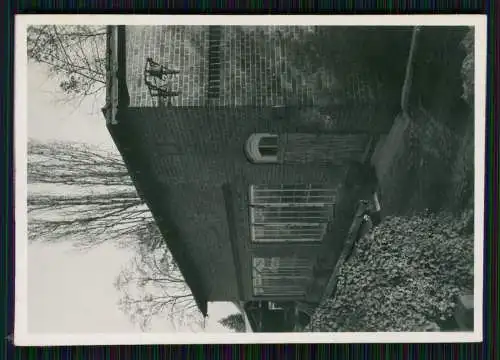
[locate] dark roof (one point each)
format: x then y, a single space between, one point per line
148 187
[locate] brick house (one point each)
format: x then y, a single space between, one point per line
246 165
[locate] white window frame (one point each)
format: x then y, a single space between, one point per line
298 270
252 149
273 306
304 220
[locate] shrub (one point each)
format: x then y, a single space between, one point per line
403 276
468 68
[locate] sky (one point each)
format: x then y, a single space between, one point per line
70 291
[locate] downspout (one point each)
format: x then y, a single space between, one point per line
405 92
112 93
106 110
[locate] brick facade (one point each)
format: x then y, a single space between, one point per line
179 47
193 152
187 154
323 148
260 65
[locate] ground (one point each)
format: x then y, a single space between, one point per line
426 174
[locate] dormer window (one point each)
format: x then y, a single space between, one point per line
262 148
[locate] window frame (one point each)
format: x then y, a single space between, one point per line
283 223
296 269
253 149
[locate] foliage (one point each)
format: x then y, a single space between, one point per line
152 285
403 276
468 67
234 322
461 189
75 55
100 202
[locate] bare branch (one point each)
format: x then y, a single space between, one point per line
75 55
159 287
102 204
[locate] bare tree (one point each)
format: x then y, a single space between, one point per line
61 162
152 286
100 203
94 200
74 54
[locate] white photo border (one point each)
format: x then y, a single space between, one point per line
21 335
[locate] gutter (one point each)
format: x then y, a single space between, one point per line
114 93
111 107
107 106
114 74
405 92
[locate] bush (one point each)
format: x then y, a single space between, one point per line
468 68
461 189
403 276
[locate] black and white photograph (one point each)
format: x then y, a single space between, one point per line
249 179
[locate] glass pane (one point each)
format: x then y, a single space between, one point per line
268 151
307 194
281 276
269 141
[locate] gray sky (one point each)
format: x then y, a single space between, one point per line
71 291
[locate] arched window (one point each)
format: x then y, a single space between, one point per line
262 148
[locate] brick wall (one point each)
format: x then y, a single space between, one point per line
201 217
186 142
192 152
322 149
180 152
180 47
192 165
271 65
